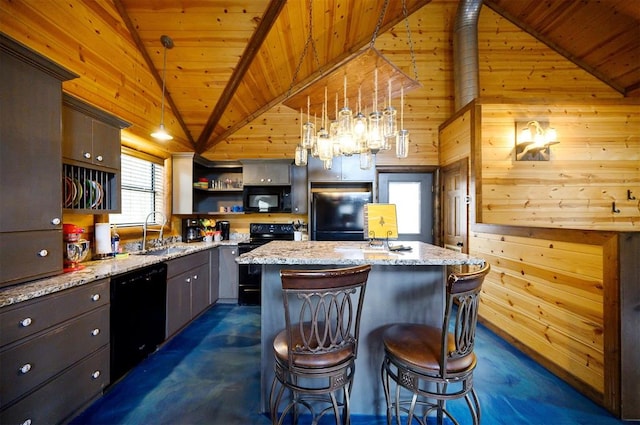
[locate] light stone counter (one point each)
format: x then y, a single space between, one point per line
95 270
353 253
404 286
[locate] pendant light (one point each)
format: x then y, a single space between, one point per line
161 133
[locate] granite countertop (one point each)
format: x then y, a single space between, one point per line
353 253
98 269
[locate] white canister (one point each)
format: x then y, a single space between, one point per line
297 235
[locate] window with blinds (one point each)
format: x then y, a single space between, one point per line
142 191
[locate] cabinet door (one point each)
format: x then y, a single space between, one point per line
178 302
266 172
214 270
351 170
317 173
77 134
299 190
30 165
228 273
106 145
199 289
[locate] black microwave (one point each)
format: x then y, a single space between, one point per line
266 199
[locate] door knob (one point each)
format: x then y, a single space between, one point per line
460 244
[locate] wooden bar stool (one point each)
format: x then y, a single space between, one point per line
430 365
315 354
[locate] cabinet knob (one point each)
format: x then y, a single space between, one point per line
43 253
25 368
233 252
87 155
55 221
195 277
262 180
95 332
26 322
96 374
188 280
95 297
99 158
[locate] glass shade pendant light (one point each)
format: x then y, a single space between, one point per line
389 123
402 139
161 133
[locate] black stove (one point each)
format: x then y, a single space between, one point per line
250 275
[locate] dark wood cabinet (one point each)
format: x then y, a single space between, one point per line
30 169
228 274
91 156
56 345
299 190
89 135
187 289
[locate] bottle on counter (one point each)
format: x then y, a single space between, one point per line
115 240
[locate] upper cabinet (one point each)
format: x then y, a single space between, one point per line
201 186
344 168
30 168
91 157
90 136
266 172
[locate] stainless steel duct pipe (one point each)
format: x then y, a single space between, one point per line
465 52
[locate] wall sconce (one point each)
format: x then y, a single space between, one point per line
533 141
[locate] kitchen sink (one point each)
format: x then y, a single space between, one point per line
164 251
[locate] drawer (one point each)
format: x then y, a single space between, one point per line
63 396
25 260
188 262
24 319
32 362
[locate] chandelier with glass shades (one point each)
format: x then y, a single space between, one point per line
373 126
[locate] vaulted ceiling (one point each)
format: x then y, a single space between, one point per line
234 60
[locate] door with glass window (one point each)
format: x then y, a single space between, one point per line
412 193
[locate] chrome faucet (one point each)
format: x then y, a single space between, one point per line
146 224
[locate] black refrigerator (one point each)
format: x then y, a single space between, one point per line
339 215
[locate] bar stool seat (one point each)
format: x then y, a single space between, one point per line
420 347
431 365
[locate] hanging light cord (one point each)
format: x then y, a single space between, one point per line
405 13
164 78
311 42
379 23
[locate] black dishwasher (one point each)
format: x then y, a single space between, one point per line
138 316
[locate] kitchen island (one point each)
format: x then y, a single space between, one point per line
403 286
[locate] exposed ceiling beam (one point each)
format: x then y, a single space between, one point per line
152 68
319 73
267 21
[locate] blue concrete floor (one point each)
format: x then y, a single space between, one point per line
209 374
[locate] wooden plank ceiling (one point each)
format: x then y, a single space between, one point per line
234 60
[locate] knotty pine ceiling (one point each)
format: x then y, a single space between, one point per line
235 59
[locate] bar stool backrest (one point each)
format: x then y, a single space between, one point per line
463 299
322 312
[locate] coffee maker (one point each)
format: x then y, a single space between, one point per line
191 230
223 226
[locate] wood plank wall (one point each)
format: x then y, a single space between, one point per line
547 294
552 291
596 164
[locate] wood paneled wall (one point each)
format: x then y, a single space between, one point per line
548 295
596 164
